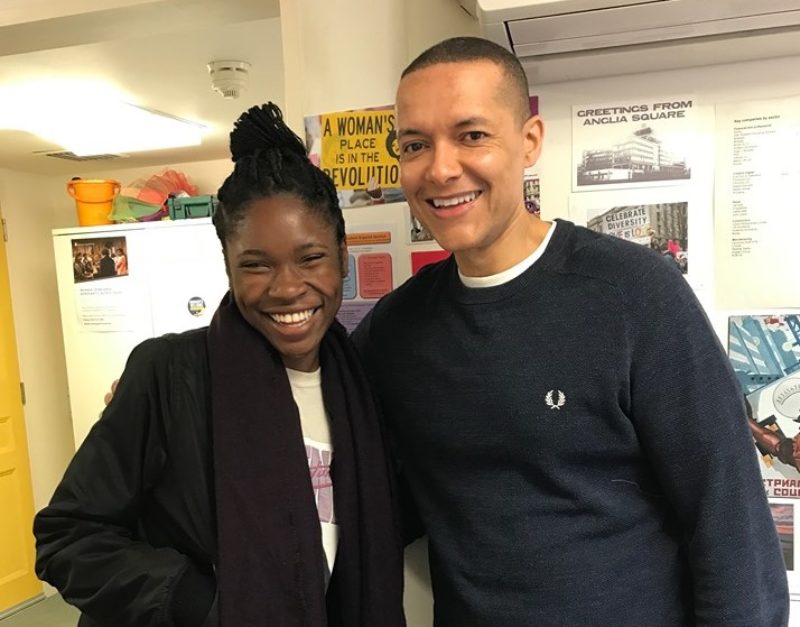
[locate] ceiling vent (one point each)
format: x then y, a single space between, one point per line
229 78
71 156
534 28
589 32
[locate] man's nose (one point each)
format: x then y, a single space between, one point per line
445 163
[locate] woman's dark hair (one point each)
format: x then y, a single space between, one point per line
269 159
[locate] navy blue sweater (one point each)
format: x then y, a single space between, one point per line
576 445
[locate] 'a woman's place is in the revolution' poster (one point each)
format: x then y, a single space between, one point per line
358 150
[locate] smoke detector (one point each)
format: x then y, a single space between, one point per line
229 78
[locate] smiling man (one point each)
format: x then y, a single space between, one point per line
462 163
564 470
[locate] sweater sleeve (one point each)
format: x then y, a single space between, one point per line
87 538
687 408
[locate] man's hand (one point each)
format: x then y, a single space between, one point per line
109 395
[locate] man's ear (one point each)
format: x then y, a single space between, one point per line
533 135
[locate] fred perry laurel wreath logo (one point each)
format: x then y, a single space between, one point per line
555 399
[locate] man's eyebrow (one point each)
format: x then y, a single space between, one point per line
407 131
473 121
477 120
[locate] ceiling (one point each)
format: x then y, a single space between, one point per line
153 51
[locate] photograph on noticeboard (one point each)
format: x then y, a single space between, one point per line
99 258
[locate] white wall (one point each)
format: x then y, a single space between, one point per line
429 21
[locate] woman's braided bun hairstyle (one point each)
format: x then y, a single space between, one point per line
270 159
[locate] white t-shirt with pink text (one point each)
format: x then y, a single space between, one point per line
307 392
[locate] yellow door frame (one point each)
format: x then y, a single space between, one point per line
18 582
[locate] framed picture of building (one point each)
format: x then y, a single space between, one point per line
632 143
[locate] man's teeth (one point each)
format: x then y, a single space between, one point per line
456 200
297 317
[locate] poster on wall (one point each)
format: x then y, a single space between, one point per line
104 296
764 351
530 183
530 192
756 217
422 258
659 221
99 258
358 150
635 143
370 271
783 515
417 232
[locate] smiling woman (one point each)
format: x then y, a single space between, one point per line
285 252
286 269
204 494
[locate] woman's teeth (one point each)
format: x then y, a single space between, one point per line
297 317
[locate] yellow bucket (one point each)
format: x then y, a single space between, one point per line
94 199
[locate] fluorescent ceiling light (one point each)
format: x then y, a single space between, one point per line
89 118
121 127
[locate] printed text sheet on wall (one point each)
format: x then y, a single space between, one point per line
757 217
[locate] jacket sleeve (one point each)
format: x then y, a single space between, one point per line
410 522
687 408
87 539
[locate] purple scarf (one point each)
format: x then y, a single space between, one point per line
270 566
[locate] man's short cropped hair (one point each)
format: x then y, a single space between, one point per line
466 49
